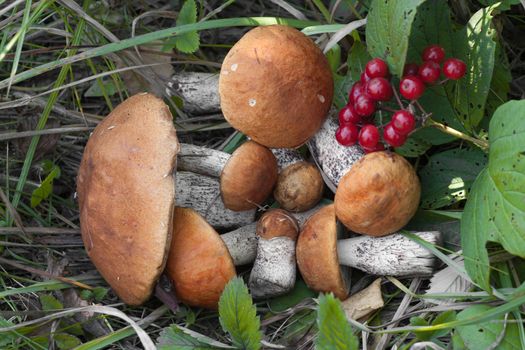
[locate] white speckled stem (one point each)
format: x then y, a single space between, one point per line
333 159
393 255
286 157
201 160
242 242
199 91
202 193
274 268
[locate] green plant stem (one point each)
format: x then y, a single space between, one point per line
484 145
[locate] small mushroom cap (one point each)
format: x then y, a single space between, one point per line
299 187
199 264
248 177
277 223
378 195
276 86
317 257
126 194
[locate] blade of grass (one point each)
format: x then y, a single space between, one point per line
20 41
45 114
46 286
157 35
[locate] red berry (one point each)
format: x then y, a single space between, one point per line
348 115
429 72
378 147
392 137
379 89
368 136
376 68
364 78
410 69
403 122
364 105
411 87
347 134
358 89
454 68
433 53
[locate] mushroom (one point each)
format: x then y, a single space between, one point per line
199 91
323 260
247 176
202 193
199 264
276 86
332 158
126 194
274 268
378 195
300 185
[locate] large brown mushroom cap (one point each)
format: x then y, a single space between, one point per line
126 194
276 86
248 177
299 187
199 264
317 257
378 195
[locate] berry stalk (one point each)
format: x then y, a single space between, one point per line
484 145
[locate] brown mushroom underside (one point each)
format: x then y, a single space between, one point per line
276 86
126 194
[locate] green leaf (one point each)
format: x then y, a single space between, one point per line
299 292
7 337
413 147
495 210
101 88
448 176
99 293
237 315
46 187
357 59
457 342
49 302
505 4
474 45
419 321
66 341
499 86
388 30
335 332
342 86
187 42
334 57
486 335
173 338
444 317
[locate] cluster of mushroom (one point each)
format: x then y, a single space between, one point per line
149 204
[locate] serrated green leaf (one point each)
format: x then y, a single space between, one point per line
237 315
335 332
448 176
474 45
49 302
357 60
99 293
173 338
388 30
66 341
495 210
187 42
419 321
485 335
45 189
342 86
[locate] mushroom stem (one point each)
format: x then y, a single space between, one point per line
332 158
393 255
199 91
242 242
201 160
202 193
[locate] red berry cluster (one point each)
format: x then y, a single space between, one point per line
356 119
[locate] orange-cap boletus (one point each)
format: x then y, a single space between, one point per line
378 195
276 86
274 269
126 194
322 258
